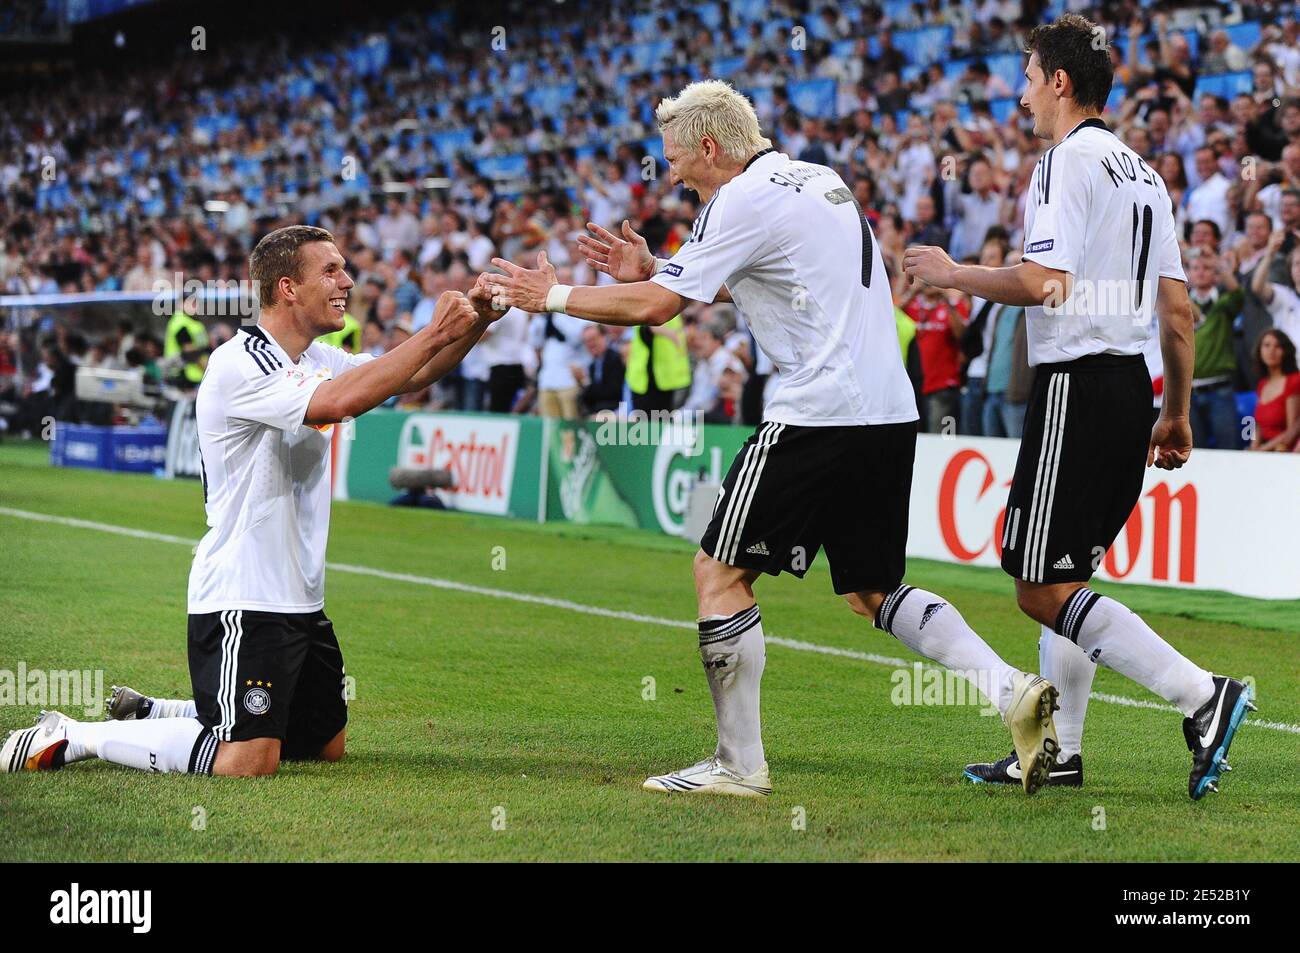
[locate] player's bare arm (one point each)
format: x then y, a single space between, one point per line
1171 437
624 305
366 387
480 297
1026 284
625 259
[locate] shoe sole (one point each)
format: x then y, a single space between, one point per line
728 788
1221 755
1034 733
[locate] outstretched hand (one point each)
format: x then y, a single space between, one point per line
624 259
521 287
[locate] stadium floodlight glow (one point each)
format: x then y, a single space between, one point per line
436 182
217 206
397 188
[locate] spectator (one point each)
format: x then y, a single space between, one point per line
940 322
1216 301
555 337
976 344
718 376
602 374
658 366
1223 56
928 230
1281 300
976 210
506 352
1277 396
1209 200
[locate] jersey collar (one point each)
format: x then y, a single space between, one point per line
1094 122
756 156
257 331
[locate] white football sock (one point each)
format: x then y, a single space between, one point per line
734 653
1116 636
1067 667
929 626
172 708
166 745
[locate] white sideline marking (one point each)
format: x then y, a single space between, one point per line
570 606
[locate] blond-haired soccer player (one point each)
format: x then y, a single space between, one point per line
831 466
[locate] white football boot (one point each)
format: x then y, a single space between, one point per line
1030 719
35 748
710 776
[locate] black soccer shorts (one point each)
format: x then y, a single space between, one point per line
1080 469
794 490
268 675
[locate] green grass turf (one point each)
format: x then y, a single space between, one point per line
467 704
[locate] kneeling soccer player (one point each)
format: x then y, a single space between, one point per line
266 668
831 466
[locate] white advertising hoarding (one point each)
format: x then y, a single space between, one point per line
1226 520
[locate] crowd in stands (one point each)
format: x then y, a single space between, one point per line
427 148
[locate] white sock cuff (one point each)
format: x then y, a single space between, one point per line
1076 608
889 608
721 628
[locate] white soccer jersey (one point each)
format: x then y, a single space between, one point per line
792 246
1097 211
265 477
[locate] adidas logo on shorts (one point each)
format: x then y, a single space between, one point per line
759 549
1065 562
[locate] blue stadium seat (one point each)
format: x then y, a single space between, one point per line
814 97
1003 109
1245 35
504 167
725 66
1224 84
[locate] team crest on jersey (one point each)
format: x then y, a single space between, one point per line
1045 245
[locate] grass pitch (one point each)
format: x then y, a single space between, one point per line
487 728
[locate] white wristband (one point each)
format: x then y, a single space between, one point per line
557 299
660 264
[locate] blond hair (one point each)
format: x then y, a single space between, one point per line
712 108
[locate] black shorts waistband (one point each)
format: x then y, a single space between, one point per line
1095 362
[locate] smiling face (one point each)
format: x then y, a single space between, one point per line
322 295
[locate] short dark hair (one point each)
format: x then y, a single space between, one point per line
1288 352
1214 226
279 255
1070 44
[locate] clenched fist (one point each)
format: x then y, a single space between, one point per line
453 317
